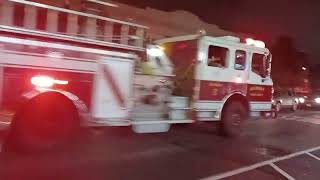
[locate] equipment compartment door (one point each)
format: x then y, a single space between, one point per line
112 92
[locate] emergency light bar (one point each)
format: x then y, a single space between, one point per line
257 43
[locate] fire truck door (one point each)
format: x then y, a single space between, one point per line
113 89
260 83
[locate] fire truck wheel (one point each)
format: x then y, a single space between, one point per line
45 123
233 117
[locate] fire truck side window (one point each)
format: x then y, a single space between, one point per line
217 56
240 60
259 64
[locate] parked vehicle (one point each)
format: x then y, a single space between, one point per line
313 101
285 99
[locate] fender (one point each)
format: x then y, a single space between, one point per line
79 104
226 98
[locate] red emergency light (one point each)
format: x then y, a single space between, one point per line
257 43
46 81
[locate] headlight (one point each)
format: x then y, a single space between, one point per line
302 100
317 100
155 51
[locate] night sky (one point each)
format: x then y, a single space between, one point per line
263 19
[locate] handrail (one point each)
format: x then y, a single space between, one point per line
76 13
4 39
67 37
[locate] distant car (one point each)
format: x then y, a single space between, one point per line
286 99
313 101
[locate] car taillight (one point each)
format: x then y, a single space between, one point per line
46 81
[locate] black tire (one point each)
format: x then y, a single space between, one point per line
45 123
278 107
234 116
294 107
274 114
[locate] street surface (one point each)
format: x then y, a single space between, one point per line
186 152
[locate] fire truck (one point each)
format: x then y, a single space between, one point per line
58 75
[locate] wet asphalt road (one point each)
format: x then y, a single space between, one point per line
186 152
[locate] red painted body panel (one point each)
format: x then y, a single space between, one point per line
259 93
217 91
16 82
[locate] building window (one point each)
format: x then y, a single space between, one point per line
240 60
217 56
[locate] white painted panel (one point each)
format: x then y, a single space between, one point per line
91 28
52 21
260 106
178 102
140 34
30 17
72 25
6 13
208 105
105 104
124 34
28 60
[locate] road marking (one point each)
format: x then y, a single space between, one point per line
313 118
312 121
282 172
314 156
258 165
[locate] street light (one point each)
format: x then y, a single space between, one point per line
304 68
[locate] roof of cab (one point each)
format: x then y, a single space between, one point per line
225 40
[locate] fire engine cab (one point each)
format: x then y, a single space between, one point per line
211 79
57 74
